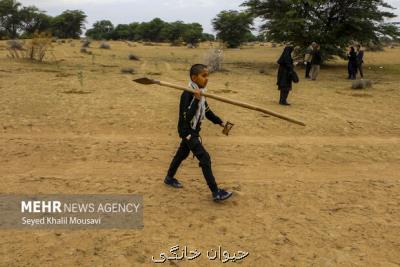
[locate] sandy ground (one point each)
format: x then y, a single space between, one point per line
322 195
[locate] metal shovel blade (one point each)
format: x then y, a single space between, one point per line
146 81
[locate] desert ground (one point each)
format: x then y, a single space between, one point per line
322 195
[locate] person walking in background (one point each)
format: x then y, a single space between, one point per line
316 61
352 65
360 60
307 59
285 72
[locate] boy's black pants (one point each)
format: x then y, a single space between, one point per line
194 145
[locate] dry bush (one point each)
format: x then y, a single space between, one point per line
127 70
104 45
133 57
15 48
361 84
38 46
85 43
213 60
15 44
263 70
34 49
85 51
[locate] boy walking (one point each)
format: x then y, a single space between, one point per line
193 108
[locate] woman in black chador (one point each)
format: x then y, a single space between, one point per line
285 73
352 66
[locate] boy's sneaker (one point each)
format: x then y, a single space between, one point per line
221 194
172 182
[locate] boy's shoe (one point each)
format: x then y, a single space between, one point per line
172 182
221 194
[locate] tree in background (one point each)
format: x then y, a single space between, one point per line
174 31
332 23
152 31
133 31
17 21
121 32
104 29
233 27
33 20
193 33
207 37
10 18
156 30
69 24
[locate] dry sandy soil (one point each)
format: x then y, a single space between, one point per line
322 195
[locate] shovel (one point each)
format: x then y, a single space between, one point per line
148 81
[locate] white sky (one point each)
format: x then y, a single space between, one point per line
126 11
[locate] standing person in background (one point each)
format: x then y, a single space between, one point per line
285 72
307 59
315 62
360 60
352 65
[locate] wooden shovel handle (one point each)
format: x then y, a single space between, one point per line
233 102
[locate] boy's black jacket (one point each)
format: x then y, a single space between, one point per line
186 114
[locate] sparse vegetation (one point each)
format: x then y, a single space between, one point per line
38 46
127 70
361 84
105 45
15 48
85 43
213 59
133 57
233 27
33 49
79 75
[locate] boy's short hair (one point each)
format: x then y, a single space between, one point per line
196 69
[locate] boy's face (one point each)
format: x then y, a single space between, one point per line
201 79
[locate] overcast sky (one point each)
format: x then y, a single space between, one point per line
126 11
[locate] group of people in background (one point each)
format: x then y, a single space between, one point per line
312 61
356 60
